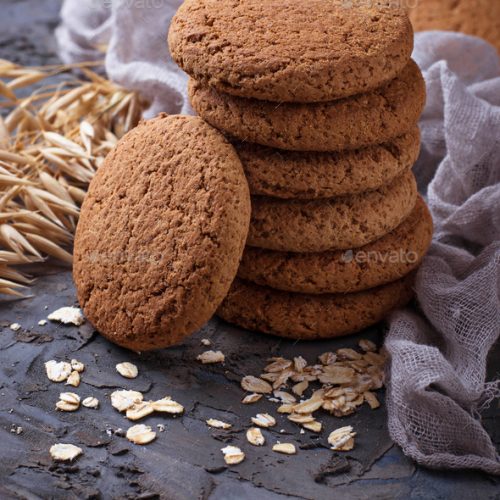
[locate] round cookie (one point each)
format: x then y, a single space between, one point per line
309 175
335 224
375 117
383 261
474 17
161 233
310 317
292 51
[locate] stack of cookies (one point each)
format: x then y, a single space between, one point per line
321 101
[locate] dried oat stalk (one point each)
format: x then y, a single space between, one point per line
51 144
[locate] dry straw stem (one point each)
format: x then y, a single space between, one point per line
51 144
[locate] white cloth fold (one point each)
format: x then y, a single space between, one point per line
438 358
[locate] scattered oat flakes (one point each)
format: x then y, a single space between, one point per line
57 371
206 342
91 402
367 345
123 400
73 379
160 427
42 322
140 434
15 327
285 448
254 384
127 370
64 452
15 429
342 439
77 365
210 357
233 455
139 410
218 424
251 398
255 436
167 405
67 316
264 420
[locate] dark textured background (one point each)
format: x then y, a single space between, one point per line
185 461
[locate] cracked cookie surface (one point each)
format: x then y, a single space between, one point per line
308 175
374 117
310 317
339 223
161 233
293 51
378 263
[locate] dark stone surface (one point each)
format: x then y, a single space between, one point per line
185 461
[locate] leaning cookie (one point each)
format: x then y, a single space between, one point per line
308 175
383 261
339 223
295 51
363 120
310 317
161 233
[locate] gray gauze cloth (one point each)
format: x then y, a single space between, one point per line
438 358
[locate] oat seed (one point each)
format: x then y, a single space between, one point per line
278 365
206 342
371 399
91 402
57 371
77 365
300 419
342 439
313 426
300 388
127 370
139 411
367 345
255 436
123 400
218 424
73 379
264 420
64 452
254 384
284 397
285 448
251 398
15 327
233 455
167 405
210 357
67 316
140 434
42 322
